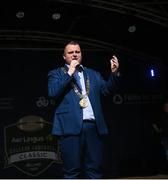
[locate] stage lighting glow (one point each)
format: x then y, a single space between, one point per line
20 14
56 16
132 29
152 72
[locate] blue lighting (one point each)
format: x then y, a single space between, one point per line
152 72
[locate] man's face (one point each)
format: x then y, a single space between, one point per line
72 52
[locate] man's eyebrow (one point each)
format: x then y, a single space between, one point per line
74 51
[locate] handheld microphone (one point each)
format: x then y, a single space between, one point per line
79 68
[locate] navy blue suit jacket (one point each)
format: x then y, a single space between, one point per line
68 115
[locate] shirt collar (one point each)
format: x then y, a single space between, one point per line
80 69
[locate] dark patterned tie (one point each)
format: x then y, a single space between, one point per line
77 78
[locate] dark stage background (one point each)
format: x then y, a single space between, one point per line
32 37
132 146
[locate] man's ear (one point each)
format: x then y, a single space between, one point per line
63 56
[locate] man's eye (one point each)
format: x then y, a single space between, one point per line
77 52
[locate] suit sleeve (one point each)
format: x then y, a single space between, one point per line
110 86
58 83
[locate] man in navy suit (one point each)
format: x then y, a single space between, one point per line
78 120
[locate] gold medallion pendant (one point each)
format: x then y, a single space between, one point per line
83 102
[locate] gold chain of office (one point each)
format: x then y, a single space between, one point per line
83 97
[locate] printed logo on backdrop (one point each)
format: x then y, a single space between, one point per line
137 98
43 101
6 103
30 147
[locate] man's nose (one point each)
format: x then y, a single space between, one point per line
74 54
